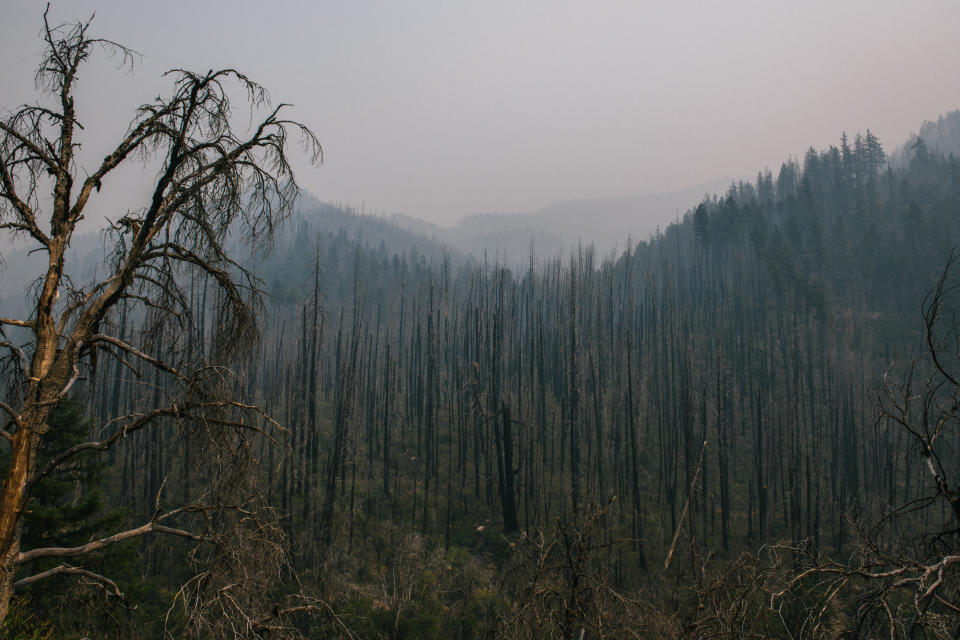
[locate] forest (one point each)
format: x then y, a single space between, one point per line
743 426
454 430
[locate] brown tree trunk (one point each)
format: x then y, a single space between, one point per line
23 455
49 371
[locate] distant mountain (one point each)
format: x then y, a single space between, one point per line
315 216
939 136
314 226
417 226
605 223
944 134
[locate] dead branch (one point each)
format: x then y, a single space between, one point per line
108 585
686 507
96 545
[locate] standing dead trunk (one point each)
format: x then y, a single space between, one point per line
25 444
49 377
508 493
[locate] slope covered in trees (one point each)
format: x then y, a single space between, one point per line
474 448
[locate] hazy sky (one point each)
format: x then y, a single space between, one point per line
442 109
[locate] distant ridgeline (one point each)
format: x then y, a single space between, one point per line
430 392
942 136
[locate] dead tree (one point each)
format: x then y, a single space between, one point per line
902 578
557 585
213 181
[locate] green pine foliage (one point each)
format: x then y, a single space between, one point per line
69 508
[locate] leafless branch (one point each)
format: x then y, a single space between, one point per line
190 412
16 323
94 339
108 585
72 552
23 361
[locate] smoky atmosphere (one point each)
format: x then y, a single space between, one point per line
440 320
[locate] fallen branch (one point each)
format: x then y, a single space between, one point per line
686 507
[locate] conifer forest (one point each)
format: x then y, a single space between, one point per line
248 414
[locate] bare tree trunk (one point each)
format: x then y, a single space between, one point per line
23 455
49 374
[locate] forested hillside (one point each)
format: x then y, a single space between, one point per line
476 449
943 135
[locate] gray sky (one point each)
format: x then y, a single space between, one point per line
442 109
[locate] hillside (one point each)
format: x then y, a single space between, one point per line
458 429
606 224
